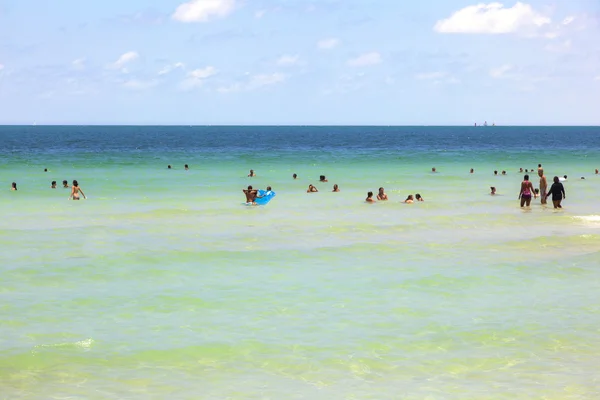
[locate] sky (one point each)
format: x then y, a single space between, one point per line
300 62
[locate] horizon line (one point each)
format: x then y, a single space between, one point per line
303 125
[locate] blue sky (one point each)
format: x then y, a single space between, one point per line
299 62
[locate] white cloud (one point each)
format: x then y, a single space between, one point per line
260 13
597 78
287 60
1 67
569 20
126 58
258 81
135 84
78 64
326 44
493 18
170 68
431 75
197 77
203 10
500 72
365 60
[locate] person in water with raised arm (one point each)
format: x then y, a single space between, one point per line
312 189
526 192
382 195
370 198
251 195
557 190
75 191
543 185
251 174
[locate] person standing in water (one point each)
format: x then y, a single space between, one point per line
526 192
75 191
543 185
370 198
557 190
251 195
382 195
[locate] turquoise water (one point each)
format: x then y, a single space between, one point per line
163 285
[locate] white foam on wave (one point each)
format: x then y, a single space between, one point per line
589 218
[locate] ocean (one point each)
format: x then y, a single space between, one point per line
163 284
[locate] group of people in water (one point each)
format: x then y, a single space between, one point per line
75 189
557 190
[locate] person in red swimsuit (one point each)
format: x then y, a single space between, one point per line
526 191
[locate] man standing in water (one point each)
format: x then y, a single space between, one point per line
251 195
543 185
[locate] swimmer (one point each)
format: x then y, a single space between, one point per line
53 185
495 172
251 195
472 170
596 171
169 166
563 178
526 192
267 192
322 178
503 172
539 168
312 189
493 190
295 176
557 190
251 174
526 171
65 184
75 190
521 170
370 198
418 197
336 188
45 169
186 167
543 185
433 169
409 199
13 186
382 195
583 177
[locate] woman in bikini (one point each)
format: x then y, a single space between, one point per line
526 192
75 190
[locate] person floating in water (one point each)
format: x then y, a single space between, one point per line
322 178
493 190
65 184
295 176
495 172
45 169
419 197
336 188
543 185
370 198
410 199
251 174
251 195
557 190
526 192
53 185
433 169
503 172
75 191
168 166
382 195
13 186
311 189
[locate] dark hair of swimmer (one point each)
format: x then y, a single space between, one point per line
418 196
537 191
54 182
65 182
322 177
14 185
250 187
45 169
556 180
526 177
295 176
370 194
75 183
168 166
495 172
269 188
565 177
186 166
